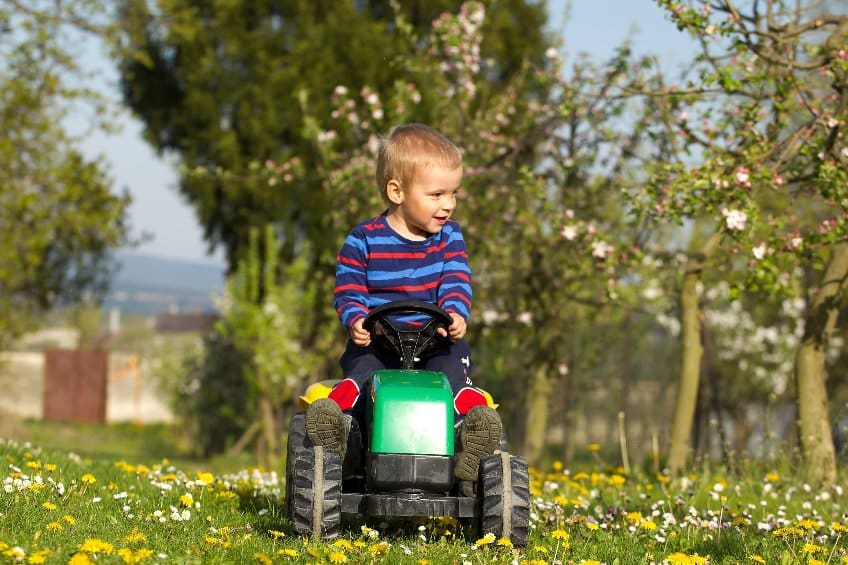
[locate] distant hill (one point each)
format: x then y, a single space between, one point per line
148 284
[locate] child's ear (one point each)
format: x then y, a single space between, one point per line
394 192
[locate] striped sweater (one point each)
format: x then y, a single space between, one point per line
376 265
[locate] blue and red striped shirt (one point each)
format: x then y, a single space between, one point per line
376 265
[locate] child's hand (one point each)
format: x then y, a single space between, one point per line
359 335
456 330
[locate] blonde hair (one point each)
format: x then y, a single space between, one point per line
410 146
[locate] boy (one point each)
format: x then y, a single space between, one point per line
413 250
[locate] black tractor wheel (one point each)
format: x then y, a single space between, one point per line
505 498
315 493
297 441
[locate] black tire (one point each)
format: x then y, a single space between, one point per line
316 493
296 442
505 498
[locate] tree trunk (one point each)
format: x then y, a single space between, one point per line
537 417
690 358
810 373
267 447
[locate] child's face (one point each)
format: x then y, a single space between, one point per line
427 203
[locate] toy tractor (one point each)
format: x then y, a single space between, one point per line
401 464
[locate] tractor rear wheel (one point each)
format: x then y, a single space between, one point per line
316 493
505 497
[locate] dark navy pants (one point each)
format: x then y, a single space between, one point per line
359 363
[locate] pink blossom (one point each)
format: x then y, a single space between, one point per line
734 219
742 176
569 232
601 249
759 251
778 180
796 242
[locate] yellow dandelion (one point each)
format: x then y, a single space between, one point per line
50 467
758 559
276 534
135 536
617 481
187 499
648 525
287 552
593 447
337 557
838 528
808 524
581 476
80 559
55 527
593 526
557 466
39 557
504 542
262 558
535 562
815 562
812 548
541 549
423 562
206 478
131 557
16 552
69 519
485 540
34 464
560 534
226 494
379 548
343 544
590 562
88 479
698 560
49 506
787 532
678 559
772 477
94 545
359 544
312 552
663 479
633 517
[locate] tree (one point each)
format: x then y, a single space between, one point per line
59 218
764 125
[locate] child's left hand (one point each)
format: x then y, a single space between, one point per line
456 330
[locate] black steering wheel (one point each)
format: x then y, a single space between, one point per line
408 340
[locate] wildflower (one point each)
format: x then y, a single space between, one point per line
15 552
759 251
343 544
504 542
758 559
135 536
592 526
50 467
337 557
648 524
287 552
485 540
55 527
94 545
88 479
69 519
262 558
187 499
49 506
812 548
601 249
678 559
276 534
205 478
560 534
80 559
131 557
379 548
569 232
593 448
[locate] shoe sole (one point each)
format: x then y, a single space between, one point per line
325 424
481 436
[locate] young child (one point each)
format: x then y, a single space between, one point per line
413 250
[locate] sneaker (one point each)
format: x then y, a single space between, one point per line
327 426
479 435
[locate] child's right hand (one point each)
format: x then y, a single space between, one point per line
359 335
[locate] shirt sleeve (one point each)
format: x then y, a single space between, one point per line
455 287
350 296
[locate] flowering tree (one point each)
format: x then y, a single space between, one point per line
764 122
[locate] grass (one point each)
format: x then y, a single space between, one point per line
59 506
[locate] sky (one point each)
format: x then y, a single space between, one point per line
594 26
